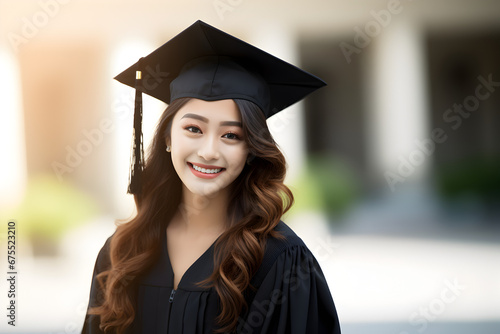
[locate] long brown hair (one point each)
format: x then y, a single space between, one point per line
257 201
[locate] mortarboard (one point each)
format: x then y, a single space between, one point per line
206 63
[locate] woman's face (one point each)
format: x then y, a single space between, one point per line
207 145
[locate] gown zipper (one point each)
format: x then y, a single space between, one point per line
170 300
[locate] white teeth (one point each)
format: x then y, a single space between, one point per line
207 171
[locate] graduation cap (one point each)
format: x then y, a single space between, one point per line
206 63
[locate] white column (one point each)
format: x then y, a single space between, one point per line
13 169
397 115
287 126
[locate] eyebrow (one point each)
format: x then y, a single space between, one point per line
204 119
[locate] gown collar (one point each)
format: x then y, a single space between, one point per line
201 269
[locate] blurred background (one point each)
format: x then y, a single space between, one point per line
394 165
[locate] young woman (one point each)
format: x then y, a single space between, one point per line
207 251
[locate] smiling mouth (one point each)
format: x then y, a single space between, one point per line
206 170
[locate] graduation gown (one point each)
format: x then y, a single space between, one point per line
291 296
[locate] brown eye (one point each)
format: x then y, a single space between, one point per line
193 129
231 135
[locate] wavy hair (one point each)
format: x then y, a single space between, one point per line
257 201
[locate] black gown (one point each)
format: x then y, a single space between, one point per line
292 295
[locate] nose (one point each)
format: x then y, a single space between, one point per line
209 149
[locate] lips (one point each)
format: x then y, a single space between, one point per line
205 171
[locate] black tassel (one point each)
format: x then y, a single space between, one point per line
137 161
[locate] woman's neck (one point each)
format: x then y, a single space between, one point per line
203 213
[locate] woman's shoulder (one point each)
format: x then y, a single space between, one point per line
290 290
103 260
290 239
287 245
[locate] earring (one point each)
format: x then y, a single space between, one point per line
168 149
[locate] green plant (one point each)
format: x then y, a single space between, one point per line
326 184
50 208
478 177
